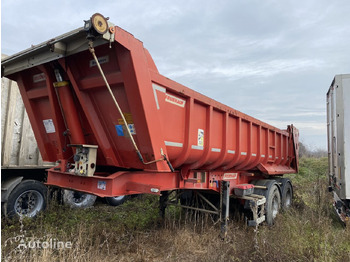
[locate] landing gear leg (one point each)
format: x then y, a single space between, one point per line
224 207
163 203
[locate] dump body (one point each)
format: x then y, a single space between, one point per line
338 125
192 129
68 103
19 147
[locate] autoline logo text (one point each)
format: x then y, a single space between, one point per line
49 244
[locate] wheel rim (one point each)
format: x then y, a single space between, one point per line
78 197
29 203
118 198
288 199
275 207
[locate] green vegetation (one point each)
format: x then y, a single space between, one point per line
310 231
134 232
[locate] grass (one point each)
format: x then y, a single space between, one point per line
134 232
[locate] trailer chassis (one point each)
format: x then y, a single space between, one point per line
170 186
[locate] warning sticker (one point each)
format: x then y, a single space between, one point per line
132 129
49 126
128 118
200 137
121 130
101 185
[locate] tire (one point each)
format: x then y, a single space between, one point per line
273 204
116 201
27 199
287 193
75 199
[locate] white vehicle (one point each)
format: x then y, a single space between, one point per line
338 127
23 192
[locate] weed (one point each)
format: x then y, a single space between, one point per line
131 232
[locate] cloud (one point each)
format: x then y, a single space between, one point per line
252 69
270 59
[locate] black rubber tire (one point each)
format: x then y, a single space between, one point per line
273 204
287 193
75 199
116 201
28 198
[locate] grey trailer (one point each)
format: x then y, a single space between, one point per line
22 168
338 129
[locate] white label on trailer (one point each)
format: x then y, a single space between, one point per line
200 137
101 185
175 144
132 129
230 175
49 126
39 78
175 100
154 190
101 60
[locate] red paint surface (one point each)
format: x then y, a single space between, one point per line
166 116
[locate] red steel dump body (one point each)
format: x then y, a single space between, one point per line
204 140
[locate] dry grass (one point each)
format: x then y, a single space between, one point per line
133 231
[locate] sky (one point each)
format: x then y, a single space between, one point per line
271 59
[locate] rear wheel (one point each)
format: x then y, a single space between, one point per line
287 192
75 199
27 199
287 197
273 204
116 201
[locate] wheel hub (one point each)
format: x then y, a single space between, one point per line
29 203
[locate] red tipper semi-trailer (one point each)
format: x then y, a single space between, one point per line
116 126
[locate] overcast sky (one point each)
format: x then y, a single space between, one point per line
273 60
